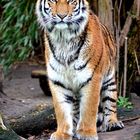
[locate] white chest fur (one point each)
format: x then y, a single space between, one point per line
67 75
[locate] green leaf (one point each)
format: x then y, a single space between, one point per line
18 29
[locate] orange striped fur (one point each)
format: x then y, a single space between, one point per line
80 59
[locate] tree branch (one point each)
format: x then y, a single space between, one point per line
128 22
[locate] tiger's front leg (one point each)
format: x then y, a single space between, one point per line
86 128
63 111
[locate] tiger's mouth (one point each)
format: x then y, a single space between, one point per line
61 22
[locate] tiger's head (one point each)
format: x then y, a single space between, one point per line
63 15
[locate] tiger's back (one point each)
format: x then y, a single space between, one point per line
80 58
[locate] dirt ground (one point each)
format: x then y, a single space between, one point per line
24 94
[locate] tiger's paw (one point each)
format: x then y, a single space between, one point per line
84 136
59 136
112 126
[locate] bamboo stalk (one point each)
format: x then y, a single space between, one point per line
125 69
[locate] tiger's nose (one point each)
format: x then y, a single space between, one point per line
62 16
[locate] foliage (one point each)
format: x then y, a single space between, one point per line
123 102
18 29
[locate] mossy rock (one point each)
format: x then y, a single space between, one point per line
8 135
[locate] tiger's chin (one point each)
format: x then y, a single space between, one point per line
61 26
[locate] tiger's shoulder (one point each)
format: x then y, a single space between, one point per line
102 34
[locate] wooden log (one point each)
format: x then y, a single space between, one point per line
34 121
6 133
38 74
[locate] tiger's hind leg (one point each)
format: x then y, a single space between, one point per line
108 105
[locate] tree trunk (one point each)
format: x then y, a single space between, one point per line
105 13
136 12
94 6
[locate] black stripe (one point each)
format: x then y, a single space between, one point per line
53 50
60 84
72 58
83 66
106 87
79 20
109 120
80 45
73 100
75 122
108 36
84 9
110 109
45 8
107 114
108 98
111 84
40 7
76 117
86 82
76 108
114 89
69 99
76 113
52 67
76 103
77 12
69 102
99 122
100 109
99 60
50 29
108 81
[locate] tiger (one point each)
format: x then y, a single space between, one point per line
80 55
